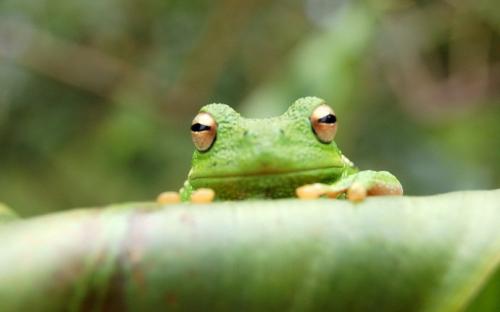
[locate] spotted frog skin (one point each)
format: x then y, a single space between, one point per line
292 155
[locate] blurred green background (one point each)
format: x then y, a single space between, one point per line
96 97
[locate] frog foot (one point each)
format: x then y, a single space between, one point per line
316 190
202 196
356 187
356 192
168 198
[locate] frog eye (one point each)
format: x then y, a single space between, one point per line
324 123
203 131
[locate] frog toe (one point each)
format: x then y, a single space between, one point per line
357 192
203 196
167 198
385 189
310 191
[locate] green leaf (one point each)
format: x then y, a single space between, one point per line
437 253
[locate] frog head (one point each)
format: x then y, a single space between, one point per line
260 158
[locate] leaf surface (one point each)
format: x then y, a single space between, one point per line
436 253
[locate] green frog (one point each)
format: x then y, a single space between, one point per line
292 155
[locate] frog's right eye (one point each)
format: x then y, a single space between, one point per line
203 131
324 123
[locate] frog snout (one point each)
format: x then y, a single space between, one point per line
268 157
264 136
263 144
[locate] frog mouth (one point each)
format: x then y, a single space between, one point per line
270 173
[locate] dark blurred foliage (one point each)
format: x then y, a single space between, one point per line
96 97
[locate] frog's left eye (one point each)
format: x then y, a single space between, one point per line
203 131
324 123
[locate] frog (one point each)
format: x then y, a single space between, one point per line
293 155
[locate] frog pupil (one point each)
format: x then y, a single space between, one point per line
197 127
328 119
